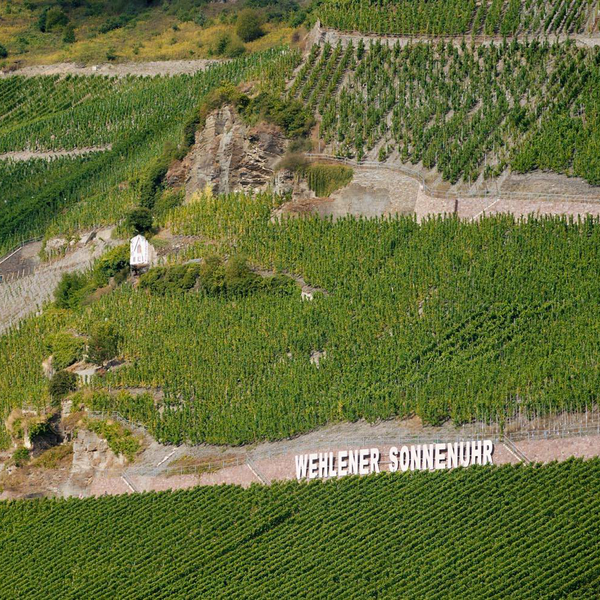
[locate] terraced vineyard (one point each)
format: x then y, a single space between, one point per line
135 115
444 319
468 112
457 17
510 532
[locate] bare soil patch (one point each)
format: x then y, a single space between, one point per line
152 68
25 155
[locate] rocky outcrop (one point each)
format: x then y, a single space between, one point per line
91 453
229 156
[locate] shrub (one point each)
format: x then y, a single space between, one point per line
66 349
3 51
103 344
139 220
249 25
293 162
234 49
164 280
69 36
111 264
215 278
61 385
20 456
70 290
114 23
42 19
223 40
150 179
56 18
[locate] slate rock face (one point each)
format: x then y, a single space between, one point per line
229 156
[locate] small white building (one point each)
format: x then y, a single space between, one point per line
139 256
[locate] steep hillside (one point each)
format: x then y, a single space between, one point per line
472 113
96 31
446 319
136 124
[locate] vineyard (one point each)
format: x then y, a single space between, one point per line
483 532
459 17
136 116
446 319
469 112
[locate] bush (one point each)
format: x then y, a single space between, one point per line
61 385
235 49
69 36
70 290
114 23
20 456
103 344
150 179
249 25
139 220
66 349
111 264
55 18
215 278
42 20
3 51
223 40
164 280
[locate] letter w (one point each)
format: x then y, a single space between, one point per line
301 466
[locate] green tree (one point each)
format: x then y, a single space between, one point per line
103 344
3 51
139 220
249 25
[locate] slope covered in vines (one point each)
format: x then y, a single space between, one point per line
134 116
458 17
444 319
468 111
483 532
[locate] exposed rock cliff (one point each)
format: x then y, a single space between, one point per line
230 156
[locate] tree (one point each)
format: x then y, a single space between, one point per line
139 220
3 51
55 18
249 26
103 344
62 384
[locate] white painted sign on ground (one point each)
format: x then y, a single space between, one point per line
419 457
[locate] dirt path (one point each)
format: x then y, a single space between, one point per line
321 35
168 67
24 155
